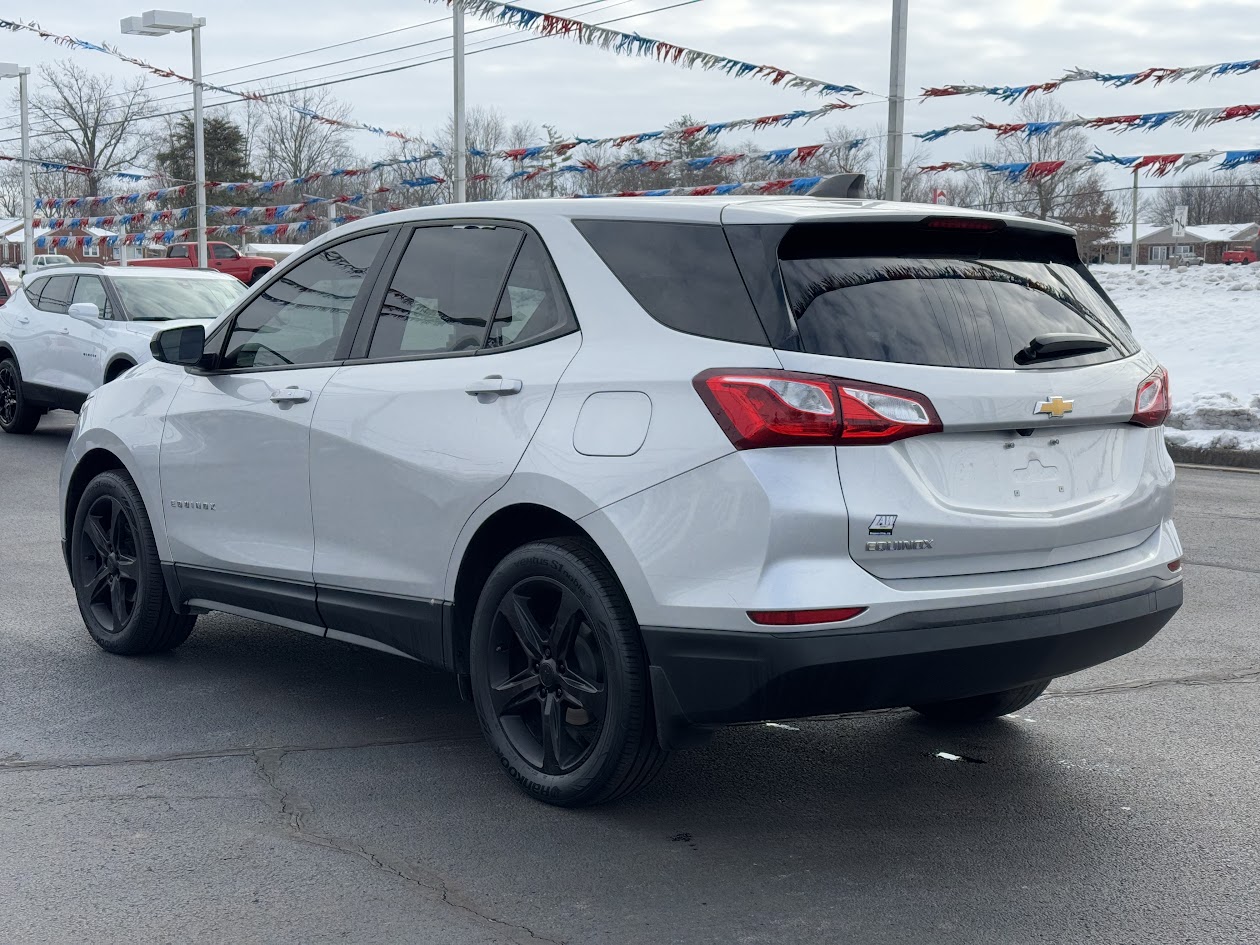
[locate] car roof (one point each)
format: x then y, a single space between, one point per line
138 272
731 210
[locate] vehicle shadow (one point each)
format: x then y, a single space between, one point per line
841 829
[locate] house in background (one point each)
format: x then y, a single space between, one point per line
1156 243
11 243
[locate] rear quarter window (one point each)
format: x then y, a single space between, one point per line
682 274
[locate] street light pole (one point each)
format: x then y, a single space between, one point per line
199 145
28 207
896 99
11 70
460 182
159 23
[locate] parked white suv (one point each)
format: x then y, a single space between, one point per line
65 333
632 469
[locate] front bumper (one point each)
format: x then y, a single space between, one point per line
711 677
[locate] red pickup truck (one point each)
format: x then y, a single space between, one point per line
223 258
1241 253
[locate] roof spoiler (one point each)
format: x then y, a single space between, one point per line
851 186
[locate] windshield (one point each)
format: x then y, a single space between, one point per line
158 300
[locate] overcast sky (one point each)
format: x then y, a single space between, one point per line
592 93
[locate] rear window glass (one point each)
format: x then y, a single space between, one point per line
946 310
682 274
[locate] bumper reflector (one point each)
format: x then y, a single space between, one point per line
798 618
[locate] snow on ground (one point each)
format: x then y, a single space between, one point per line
1202 324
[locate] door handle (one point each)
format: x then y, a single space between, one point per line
65 331
290 395
494 384
23 320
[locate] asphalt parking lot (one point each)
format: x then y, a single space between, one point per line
260 785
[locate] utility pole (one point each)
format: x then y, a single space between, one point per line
896 99
1133 250
460 182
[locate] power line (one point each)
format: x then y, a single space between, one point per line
382 71
493 27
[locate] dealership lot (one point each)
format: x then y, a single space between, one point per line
263 785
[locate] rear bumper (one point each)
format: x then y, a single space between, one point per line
709 677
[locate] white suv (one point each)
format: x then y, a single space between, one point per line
636 469
66 332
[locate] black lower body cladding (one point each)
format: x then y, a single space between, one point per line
713 677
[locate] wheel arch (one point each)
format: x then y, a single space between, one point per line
6 351
118 364
497 535
94 462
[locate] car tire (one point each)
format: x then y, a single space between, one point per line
573 725
257 274
983 708
116 573
16 415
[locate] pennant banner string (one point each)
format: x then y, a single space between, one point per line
1154 75
781 156
1193 118
72 168
169 236
792 185
633 44
1153 165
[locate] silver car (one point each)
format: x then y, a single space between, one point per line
634 469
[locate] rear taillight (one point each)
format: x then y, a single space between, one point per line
1152 405
762 408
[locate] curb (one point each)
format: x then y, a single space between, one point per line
1233 459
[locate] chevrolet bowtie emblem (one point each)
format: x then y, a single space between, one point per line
1055 407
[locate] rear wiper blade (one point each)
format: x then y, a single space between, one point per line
1048 347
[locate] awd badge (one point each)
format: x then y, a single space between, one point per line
882 525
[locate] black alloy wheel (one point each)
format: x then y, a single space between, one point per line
117 575
547 675
560 676
108 567
16 415
8 394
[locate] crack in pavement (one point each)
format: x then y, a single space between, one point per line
1224 567
16 763
295 809
1194 679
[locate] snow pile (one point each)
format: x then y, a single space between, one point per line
1216 421
1202 323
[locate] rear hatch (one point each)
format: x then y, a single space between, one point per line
1033 373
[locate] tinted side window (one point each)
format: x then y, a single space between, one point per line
533 304
443 294
683 274
300 317
221 251
90 289
56 295
178 252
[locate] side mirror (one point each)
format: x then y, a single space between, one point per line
183 345
85 311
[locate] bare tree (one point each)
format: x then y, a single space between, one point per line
1232 197
92 120
291 144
